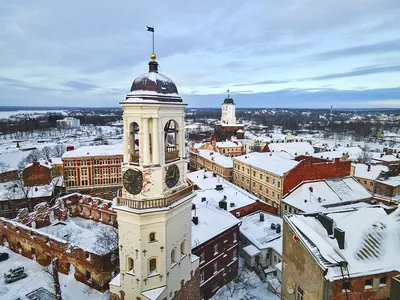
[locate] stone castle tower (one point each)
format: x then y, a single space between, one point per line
228 111
154 205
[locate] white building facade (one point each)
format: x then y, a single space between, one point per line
68 122
228 111
154 205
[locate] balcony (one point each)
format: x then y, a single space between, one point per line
153 203
171 153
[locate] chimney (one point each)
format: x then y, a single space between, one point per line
382 154
326 222
203 199
223 204
369 168
340 237
261 217
195 220
219 187
278 228
311 189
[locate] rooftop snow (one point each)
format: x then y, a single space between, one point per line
212 220
268 161
234 194
259 233
93 151
325 193
217 157
228 144
371 241
361 170
339 152
251 250
386 158
293 148
392 181
153 294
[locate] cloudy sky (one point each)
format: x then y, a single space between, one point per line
268 53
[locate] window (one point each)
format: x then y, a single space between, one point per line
285 207
183 249
299 293
365 182
267 255
215 267
277 195
152 266
273 194
201 257
387 192
273 180
254 184
173 256
254 173
279 184
201 276
267 179
368 284
261 176
382 281
130 266
371 183
275 258
83 163
215 249
152 237
242 178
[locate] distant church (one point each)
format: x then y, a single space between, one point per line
227 127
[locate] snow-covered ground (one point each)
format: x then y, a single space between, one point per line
256 289
30 113
70 288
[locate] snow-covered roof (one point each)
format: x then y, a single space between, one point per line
259 233
251 250
228 144
371 241
234 194
43 162
361 170
217 157
338 152
326 193
268 161
153 294
13 190
293 148
385 158
212 220
392 181
93 151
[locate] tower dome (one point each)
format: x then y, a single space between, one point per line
228 100
153 86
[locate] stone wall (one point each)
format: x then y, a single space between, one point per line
299 269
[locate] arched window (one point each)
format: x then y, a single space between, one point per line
152 237
130 266
152 266
173 256
183 249
171 141
134 143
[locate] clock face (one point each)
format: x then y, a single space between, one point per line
133 181
172 176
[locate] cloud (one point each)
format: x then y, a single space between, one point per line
377 48
80 86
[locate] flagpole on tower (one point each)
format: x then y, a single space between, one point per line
151 29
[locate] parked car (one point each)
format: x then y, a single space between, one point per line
3 256
14 270
14 277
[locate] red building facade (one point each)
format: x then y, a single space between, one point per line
219 261
96 173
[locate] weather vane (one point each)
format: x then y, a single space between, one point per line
151 29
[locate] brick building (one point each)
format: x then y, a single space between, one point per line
93 170
368 174
271 175
340 255
37 173
215 239
77 251
387 189
212 161
8 174
392 161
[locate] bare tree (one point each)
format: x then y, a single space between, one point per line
365 156
46 152
33 156
53 275
4 167
58 151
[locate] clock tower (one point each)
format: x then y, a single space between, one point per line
154 205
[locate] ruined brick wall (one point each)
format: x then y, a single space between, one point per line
310 169
299 269
190 289
36 174
91 269
87 207
358 291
